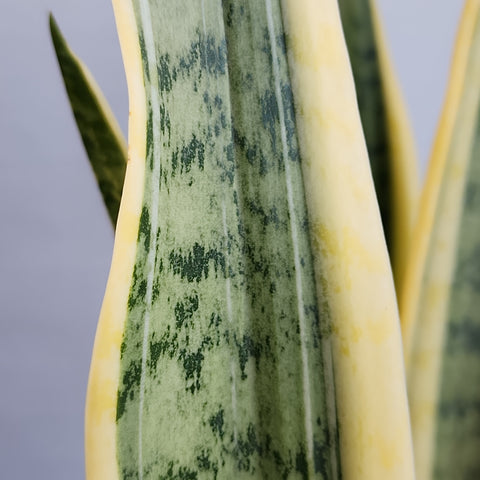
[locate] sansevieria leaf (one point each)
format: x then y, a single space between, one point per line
249 326
386 126
101 134
442 308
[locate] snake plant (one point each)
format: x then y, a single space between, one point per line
250 326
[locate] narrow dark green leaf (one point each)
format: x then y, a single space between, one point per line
101 135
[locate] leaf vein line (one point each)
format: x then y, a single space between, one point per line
147 27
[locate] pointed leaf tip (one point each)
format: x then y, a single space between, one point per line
100 132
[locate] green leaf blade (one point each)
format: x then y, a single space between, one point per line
101 135
222 358
458 420
250 306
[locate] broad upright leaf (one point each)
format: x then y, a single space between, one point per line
249 327
101 134
442 326
387 130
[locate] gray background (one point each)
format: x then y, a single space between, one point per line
55 237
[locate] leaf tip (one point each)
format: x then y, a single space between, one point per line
52 22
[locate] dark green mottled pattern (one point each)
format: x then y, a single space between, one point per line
359 36
458 421
222 362
107 155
